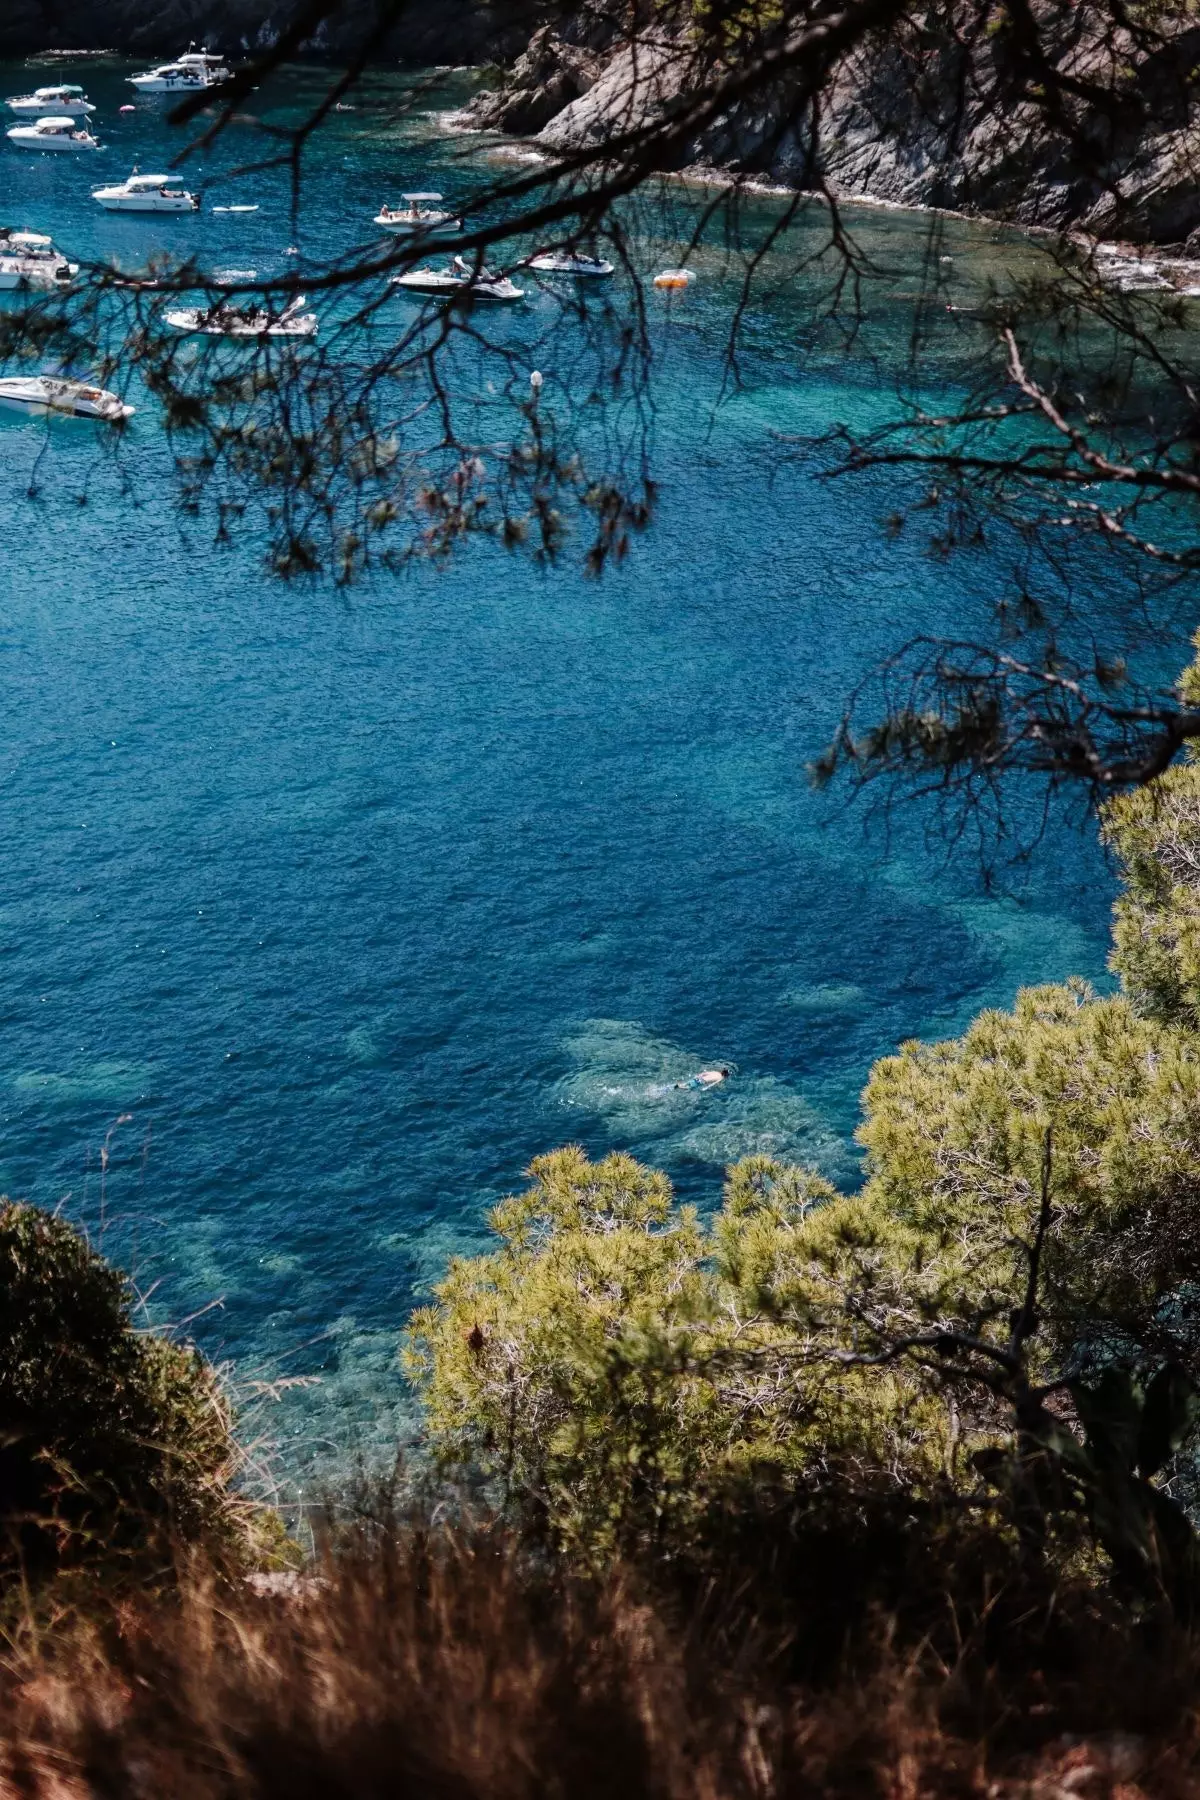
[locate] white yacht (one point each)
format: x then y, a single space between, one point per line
69 101
197 70
420 213
460 279
224 320
29 260
42 394
146 194
570 262
55 133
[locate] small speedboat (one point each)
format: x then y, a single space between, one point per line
146 194
224 320
570 262
69 101
460 280
187 74
29 260
55 133
419 214
42 394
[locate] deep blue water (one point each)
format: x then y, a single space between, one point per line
326 910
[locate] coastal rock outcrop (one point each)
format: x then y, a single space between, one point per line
542 84
923 120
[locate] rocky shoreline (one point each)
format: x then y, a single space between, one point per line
941 130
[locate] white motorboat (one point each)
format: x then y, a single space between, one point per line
224 320
569 262
146 194
419 213
55 133
29 260
71 102
42 394
460 280
186 75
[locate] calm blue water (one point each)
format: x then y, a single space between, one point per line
325 911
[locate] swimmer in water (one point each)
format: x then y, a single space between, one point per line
706 1078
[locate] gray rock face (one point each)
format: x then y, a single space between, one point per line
636 84
562 63
945 126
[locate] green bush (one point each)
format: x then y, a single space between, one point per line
955 1134
1155 834
116 1445
624 1370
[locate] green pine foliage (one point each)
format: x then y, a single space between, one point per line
955 1134
623 1369
1155 834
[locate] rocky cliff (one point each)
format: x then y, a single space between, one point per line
921 118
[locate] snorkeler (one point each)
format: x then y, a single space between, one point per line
706 1078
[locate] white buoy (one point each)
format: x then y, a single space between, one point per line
535 381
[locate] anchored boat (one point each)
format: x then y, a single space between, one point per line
56 133
43 394
460 281
199 69
146 194
419 213
224 320
29 260
570 262
71 101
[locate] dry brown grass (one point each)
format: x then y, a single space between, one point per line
448 1666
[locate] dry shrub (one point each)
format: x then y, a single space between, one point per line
447 1664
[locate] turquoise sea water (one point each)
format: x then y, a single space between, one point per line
323 911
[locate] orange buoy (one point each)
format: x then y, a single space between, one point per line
674 278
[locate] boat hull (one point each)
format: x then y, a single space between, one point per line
164 84
25 138
201 326
433 289
13 278
38 400
406 229
145 203
45 109
565 265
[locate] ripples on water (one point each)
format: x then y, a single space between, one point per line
347 904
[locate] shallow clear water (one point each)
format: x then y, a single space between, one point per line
325 911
